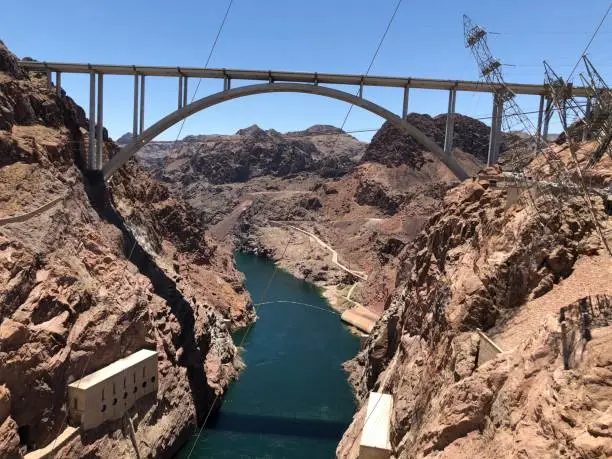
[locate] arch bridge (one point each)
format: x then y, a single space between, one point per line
280 81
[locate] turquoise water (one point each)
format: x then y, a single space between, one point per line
293 399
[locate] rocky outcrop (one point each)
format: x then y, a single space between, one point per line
476 266
374 193
96 277
469 135
252 152
392 147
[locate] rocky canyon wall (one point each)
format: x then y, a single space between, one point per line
103 272
508 269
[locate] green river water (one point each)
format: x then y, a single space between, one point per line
293 399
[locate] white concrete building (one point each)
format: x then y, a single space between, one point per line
375 436
109 392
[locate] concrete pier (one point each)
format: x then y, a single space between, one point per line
496 123
405 105
142 103
180 93
58 83
450 122
540 119
100 125
185 80
548 111
587 115
92 121
135 123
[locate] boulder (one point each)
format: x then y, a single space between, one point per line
5 403
9 439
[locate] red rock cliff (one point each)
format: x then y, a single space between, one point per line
89 275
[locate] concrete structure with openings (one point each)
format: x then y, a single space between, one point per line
108 393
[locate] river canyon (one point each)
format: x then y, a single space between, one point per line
232 258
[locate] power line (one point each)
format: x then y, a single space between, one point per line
212 49
373 129
312 306
289 238
380 43
382 39
590 41
242 340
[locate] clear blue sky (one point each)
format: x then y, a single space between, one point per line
425 40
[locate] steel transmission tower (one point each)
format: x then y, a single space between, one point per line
567 107
599 120
509 113
506 112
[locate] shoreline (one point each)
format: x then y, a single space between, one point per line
328 291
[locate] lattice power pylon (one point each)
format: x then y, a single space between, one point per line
599 120
561 96
567 106
512 116
506 111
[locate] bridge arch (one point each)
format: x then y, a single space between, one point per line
153 131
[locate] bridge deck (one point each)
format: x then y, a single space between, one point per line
284 76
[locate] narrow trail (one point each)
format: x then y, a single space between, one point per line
359 274
34 213
350 292
220 230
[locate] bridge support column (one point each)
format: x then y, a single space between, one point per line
135 123
185 79
496 122
49 81
405 106
142 102
58 83
100 122
92 121
547 116
180 92
227 83
450 122
361 88
587 114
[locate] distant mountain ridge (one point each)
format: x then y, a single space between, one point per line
251 152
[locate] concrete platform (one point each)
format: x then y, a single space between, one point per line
374 442
51 449
360 318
